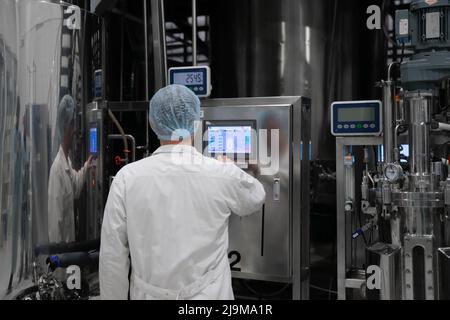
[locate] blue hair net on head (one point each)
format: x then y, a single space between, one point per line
65 114
173 112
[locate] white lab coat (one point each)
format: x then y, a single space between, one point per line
65 185
170 213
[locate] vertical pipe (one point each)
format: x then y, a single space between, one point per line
146 51
147 138
419 130
159 43
104 71
121 58
388 122
164 48
341 219
194 32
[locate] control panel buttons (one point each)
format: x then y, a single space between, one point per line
356 126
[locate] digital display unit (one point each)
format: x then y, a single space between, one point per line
196 78
356 114
356 118
230 140
188 78
93 141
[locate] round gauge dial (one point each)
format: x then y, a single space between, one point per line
393 172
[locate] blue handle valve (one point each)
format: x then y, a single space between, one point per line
357 234
55 261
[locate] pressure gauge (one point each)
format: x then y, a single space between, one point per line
393 172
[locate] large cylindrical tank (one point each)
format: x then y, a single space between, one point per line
41 60
321 49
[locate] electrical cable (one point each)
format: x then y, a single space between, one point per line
264 295
361 225
122 133
403 53
383 26
323 289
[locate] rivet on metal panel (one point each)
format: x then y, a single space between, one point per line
408 271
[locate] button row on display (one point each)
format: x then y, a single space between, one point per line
198 88
359 126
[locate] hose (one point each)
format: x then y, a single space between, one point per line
264 295
80 259
55 248
122 133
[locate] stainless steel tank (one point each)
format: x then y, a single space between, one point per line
320 49
41 45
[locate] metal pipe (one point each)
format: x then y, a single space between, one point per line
146 50
419 131
164 47
194 32
147 139
389 115
104 62
388 121
391 65
121 59
129 137
443 126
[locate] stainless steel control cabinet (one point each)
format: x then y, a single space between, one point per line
272 244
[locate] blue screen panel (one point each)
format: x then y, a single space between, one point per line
230 140
93 141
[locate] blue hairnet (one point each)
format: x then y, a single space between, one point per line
173 112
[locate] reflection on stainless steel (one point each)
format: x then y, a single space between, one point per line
310 48
40 62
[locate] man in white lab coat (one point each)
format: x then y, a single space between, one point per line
65 184
169 213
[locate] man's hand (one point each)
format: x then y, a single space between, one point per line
88 164
224 159
253 170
